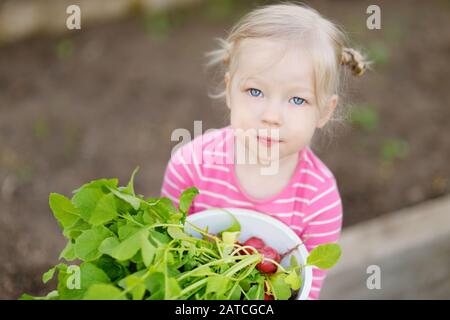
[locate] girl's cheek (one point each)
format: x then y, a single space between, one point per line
301 122
246 104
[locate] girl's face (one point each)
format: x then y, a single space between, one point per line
273 89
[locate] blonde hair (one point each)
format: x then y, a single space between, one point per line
295 22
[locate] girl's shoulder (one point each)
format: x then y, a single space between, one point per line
316 167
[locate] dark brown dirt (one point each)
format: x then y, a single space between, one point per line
112 102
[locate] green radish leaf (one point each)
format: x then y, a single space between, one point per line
186 199
128 230
86 200
52 295
46 277
128 247
230 237
26 296
104 292
177 233
324 256
134 201
245 284
164 208
159 238
293 262
256 292
293 280
155 284
138 291
63 210
76 229
87 244
130 186
235 226
162 287
148 218
172 288
176 218
89 275
148 251
97 184
201 271
280 288
108 245
217 284
235 293
113 269
135 283
104 211
68 252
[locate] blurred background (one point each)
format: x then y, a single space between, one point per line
97 102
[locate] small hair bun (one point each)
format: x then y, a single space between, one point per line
226 58
354 60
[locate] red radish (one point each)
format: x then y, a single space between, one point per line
268 296
255 242
246 251
267 266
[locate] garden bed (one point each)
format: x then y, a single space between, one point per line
99 102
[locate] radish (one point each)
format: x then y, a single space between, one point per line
255 242
266 251
267 266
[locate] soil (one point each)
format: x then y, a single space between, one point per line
101 101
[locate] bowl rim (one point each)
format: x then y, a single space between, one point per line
307 271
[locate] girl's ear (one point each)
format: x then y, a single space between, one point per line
227 89
327 113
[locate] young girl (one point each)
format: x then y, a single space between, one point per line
282 65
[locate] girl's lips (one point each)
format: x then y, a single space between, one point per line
268 141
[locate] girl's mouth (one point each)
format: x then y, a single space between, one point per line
267 141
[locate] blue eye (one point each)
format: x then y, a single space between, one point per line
299 101
254 92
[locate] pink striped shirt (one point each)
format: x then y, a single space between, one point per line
310 204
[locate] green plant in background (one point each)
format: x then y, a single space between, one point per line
158 25
379 53
364 117
393 149
219 10
65 49
395 30
72 137
25 173
223 10
41 129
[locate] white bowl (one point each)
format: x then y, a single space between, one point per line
274 233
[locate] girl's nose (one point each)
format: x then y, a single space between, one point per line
271 116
